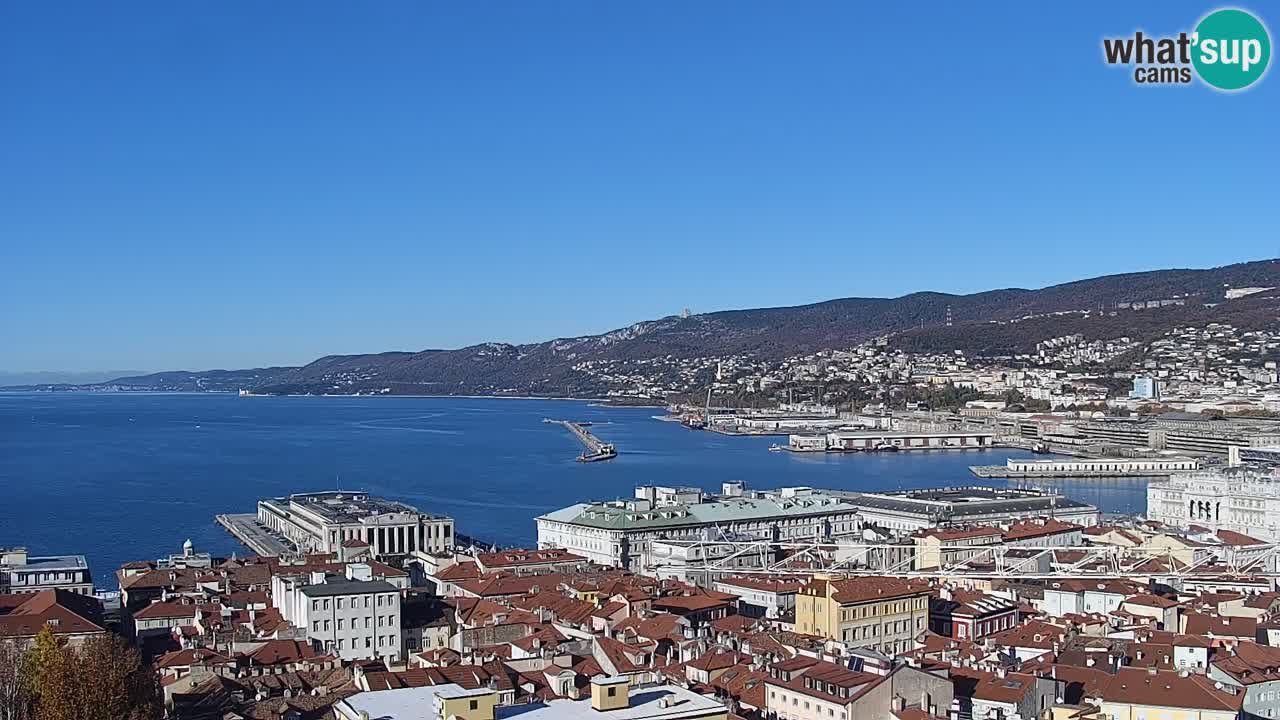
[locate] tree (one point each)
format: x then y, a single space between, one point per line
115 684
50 677
15 701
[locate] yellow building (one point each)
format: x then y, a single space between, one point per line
883 613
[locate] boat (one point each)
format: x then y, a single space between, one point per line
886 447
606 452
776 448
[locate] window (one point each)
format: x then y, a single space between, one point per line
315 606
315 625
612 691
391 620
366 601
475 704
326 604
339 623
340 644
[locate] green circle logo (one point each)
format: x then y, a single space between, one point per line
1232 49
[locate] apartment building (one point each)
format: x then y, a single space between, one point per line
882 613
351 616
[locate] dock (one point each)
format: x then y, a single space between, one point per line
245 528
596 449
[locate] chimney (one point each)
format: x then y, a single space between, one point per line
899 703
1151 670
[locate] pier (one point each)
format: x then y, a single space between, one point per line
251 534
596 449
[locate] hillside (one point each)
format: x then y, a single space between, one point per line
994 322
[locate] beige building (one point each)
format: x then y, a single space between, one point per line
882 613
939 547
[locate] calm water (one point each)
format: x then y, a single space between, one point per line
127 477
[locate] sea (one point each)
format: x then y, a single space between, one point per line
129 476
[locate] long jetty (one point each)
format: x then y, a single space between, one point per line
597 449
245 528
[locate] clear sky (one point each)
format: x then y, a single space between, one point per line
229 184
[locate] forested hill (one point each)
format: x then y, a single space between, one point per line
995 322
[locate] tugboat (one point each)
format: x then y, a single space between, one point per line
606 452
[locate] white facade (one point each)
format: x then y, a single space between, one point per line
1238 499
1135 466
321 522
351 617
23 573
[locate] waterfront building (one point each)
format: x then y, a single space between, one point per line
881 613
351 616
1186 434
907 511
1240 499
870 441
321 522
620 532
21 572
1101 466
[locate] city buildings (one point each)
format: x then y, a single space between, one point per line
322 522
21 572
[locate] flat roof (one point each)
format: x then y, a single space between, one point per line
419 704
966 501
344 586
348 506
52 562
617 516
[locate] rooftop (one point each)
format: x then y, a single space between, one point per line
345 506
342 586
965 501
418 703
633 514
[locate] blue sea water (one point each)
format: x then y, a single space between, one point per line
122 477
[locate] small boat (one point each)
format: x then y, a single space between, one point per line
886 447
776 448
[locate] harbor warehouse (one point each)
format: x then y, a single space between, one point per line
323 521
619 532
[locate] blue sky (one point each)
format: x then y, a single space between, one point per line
234 184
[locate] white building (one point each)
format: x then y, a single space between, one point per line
1240 499
24 573
321 522
352 616
620 532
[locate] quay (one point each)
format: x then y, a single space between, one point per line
596 450
1087 468
246 528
